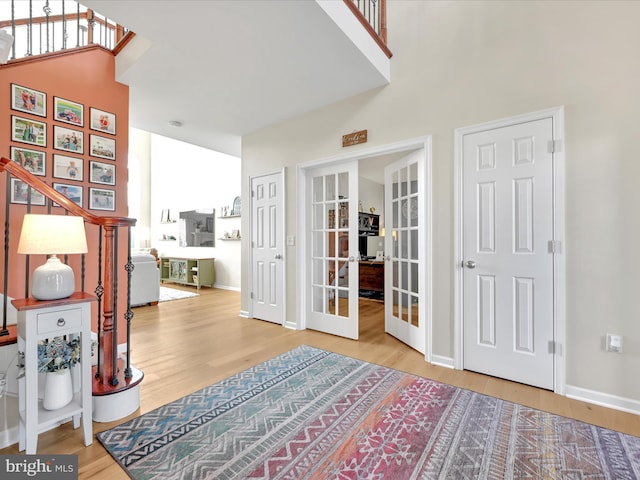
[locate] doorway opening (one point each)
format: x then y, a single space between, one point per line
390 253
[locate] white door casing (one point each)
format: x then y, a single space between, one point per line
333 245
508 278
267 247
405 242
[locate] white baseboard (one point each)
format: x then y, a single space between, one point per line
226 287
244 314
441 361
603 399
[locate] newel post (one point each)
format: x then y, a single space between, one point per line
108 373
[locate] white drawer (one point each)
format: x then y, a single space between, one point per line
60 321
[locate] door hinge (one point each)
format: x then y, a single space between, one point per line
251 295
555 348
555 246
554 146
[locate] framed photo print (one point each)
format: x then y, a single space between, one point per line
102 121
20 193
104 173
68 140
28 100
68 111
72 192
69 168
102 199
31 160
102 147
28 131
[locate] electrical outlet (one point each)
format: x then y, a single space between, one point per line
614 343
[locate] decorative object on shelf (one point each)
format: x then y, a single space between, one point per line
58 390
52 235
55 358
237 204
372 209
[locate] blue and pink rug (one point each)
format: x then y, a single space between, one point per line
313 414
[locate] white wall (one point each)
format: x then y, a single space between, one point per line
181 177
460 63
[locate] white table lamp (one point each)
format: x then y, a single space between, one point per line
52 235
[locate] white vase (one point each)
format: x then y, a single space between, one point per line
58 390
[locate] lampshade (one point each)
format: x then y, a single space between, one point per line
51 235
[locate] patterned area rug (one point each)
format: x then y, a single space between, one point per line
167 294
312 414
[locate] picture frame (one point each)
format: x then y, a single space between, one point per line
102 199
102 121
68 111
25 130
68 139
20 193
68 168
102 147
72 192
28 100
33 161
104 173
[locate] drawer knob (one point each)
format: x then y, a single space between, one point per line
61 322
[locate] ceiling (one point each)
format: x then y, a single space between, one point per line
226 68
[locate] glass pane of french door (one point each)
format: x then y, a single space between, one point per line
334 289
402 211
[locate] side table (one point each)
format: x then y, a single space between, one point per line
38 320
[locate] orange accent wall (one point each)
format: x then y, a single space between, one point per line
85 76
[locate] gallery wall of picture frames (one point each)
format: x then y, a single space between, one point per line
61 152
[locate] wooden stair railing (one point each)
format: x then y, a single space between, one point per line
107 342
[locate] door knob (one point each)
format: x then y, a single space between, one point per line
278 256
470 264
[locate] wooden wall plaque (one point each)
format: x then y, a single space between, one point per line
354 138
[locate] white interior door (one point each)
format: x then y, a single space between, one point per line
508 315
267 247
333 222
404 241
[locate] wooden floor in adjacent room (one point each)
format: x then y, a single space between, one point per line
184 345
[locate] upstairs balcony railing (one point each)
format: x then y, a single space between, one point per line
45 26
373 16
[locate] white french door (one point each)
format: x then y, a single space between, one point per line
333 273
405 240
267 247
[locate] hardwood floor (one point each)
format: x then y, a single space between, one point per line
184 345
